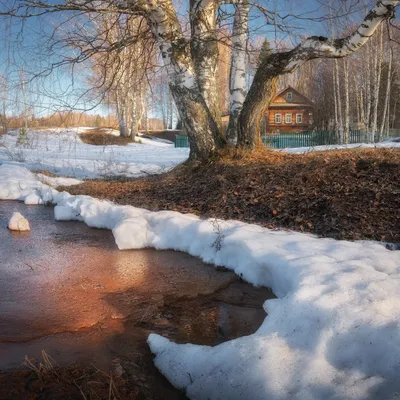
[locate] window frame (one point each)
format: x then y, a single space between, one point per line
297 118
280 118
289 96
286 118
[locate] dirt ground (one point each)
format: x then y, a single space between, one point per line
102 137
346 194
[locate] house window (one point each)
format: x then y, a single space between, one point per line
278 118
299 118
288 118
289 96
310 118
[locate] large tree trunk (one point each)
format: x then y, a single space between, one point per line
237 81
204 52
193 111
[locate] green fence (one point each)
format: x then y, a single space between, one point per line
181 141
310 139
302 139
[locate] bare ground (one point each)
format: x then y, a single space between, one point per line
102 137
347 194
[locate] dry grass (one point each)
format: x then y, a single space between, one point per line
101 137
45 379
347 194
44 172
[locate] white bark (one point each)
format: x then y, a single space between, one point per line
204 52
199 123
4 90
369 91
339 103
317 47
377 84
387 94
237 84
346 130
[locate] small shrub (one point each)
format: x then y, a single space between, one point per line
23 139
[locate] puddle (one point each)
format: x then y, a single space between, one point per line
65 288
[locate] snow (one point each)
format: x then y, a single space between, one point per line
61 152
332 333
58 181
389 144
18 223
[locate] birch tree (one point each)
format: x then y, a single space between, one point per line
237 81
4 92
191 62
385 114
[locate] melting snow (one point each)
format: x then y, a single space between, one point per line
61 151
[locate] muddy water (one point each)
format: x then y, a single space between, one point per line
65 288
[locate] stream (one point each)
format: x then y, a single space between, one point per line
66 289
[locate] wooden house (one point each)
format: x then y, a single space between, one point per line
290 111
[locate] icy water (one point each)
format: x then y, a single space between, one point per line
65 288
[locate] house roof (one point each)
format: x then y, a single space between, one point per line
306 100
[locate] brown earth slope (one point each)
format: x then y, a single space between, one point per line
348 194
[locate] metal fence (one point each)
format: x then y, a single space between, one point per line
317 138
181 141
304 139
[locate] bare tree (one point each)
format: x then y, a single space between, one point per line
4 92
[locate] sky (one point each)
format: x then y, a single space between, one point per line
26 47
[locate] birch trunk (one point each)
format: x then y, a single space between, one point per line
4 122
204 52
194 113
134 120
368 96
378 74
237 81
335 97
339 97
387 94
346 130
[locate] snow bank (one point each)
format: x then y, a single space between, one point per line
333 332
58 181
389 144
62 152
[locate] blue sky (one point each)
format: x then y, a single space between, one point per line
25 46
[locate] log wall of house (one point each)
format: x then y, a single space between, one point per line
293 126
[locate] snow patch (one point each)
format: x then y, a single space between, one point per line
61 152
18 223
58 181
389 144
